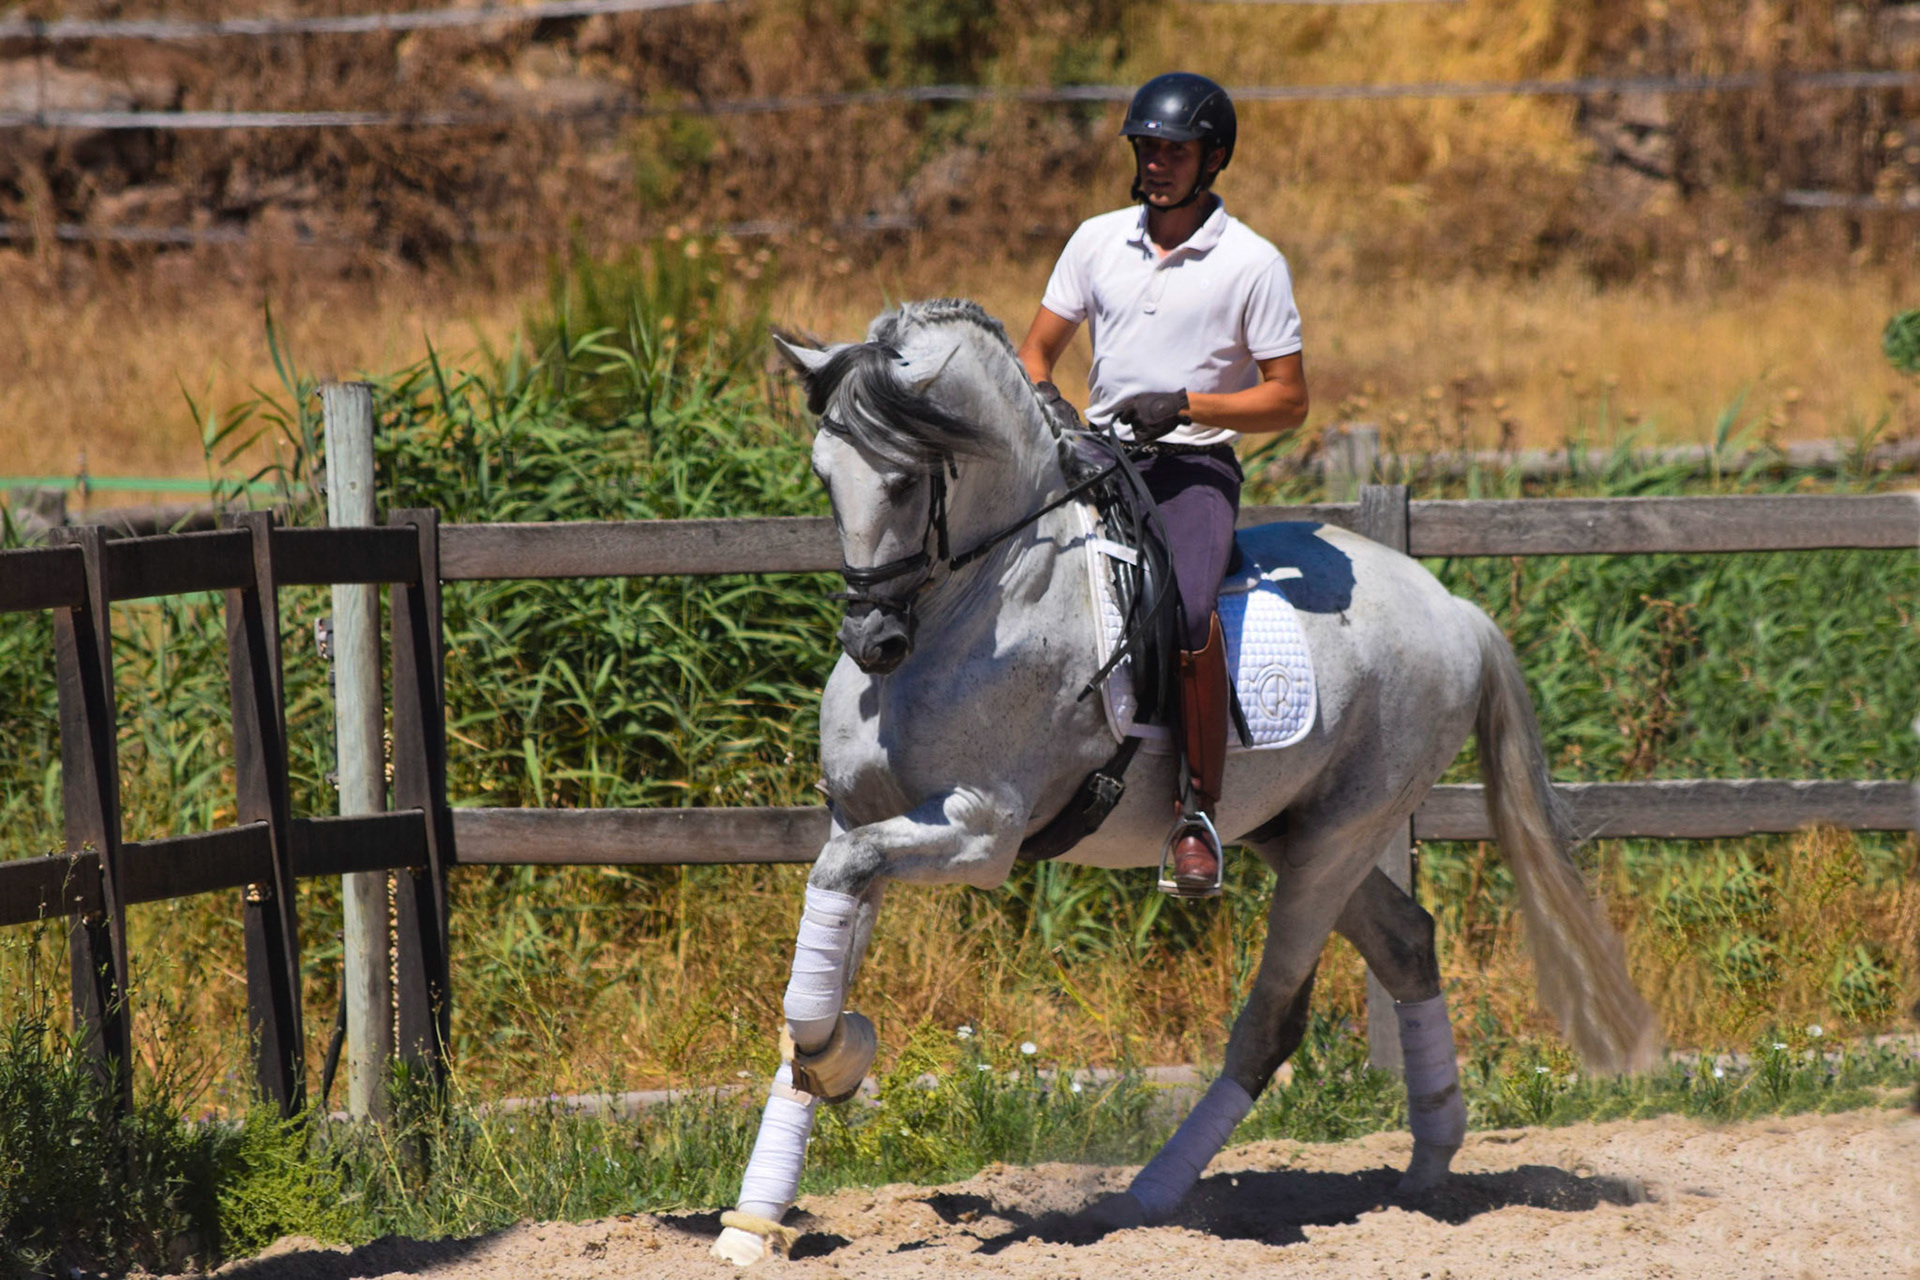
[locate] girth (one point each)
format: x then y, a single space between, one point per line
1098 794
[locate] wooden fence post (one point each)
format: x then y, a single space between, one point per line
420 782
90 796
1352 454
359 729
269 907
1383 517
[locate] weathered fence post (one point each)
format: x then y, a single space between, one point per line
90 797
270 917
1383 517
359 724
420 782
1352 453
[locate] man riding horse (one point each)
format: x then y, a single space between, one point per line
955 726
1196 342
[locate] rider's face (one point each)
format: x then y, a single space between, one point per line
1168 169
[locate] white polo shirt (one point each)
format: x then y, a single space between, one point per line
1198 319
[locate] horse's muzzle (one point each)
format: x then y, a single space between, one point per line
878 639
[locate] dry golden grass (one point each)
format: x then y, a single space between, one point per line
102 370
1801 350
702 1000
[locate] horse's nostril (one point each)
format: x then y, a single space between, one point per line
883 656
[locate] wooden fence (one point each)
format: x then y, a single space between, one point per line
84 572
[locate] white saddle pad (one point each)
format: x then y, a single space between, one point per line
1266 651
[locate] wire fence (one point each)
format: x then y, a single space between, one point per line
63 30
192 237
1581 87
1850 202
70 30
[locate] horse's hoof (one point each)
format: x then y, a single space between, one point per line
835 1072
1424 1172
1120 1212
741 1248
746 1238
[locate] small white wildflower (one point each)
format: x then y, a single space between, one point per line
1815 1031
964 1031
1076 1087
1029 1048
1541 1071
1719 1073
1778 1045
743 1074
985 1067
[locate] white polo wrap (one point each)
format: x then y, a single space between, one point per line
772 1178
818 988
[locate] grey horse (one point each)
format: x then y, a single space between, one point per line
953 727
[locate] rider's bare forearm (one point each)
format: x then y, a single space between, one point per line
1266 409
1046 338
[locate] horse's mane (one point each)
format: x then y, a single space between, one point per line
858 392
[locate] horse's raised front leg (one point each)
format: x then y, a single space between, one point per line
958 836
1394 934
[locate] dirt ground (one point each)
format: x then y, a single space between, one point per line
1804 1196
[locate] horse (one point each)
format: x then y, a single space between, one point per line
953 727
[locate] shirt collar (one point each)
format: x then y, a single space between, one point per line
1200 241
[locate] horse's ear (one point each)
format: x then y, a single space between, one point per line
805 361
919 368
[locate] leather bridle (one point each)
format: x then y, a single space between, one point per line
861 580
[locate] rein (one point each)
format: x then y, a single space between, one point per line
861 581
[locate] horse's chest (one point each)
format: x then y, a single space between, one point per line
934 724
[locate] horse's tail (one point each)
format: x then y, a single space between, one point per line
1579 959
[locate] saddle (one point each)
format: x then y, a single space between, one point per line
1134 597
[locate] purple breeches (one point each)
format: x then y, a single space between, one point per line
1199 496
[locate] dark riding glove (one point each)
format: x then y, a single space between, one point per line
1151 414
1059 406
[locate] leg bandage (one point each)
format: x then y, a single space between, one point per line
818 987
772 1179
1436 1111
1170 1175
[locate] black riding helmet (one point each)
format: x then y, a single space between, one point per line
1181 106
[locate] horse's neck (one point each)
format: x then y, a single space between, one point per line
1017 479
1031 583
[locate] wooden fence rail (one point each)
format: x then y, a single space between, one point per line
1505 527
269 848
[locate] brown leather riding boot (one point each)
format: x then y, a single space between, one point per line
1203 730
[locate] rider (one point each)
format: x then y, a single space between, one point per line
1196 342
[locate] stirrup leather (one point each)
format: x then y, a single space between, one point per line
1192 824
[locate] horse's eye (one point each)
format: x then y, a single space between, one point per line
900 488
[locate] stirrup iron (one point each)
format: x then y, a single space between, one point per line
1186 824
